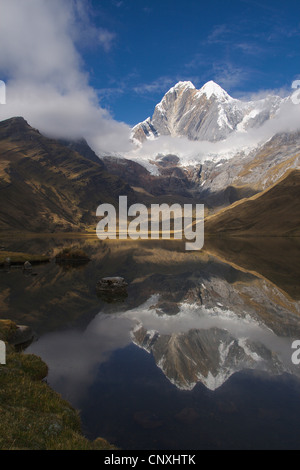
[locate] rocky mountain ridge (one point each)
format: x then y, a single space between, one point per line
209 114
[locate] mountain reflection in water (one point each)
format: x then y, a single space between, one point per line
197 356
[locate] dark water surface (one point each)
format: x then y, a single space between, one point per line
198 356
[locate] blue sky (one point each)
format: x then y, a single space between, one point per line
147 46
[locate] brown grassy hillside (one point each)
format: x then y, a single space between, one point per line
46 186
273 212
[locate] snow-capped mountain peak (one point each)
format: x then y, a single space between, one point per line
212 88
182 86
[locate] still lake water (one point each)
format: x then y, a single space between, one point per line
198 356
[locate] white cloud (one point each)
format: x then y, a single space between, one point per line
229 75
161 84
45 77
218 35
106 38
282 92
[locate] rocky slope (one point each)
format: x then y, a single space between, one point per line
256 171
47 186
173 181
